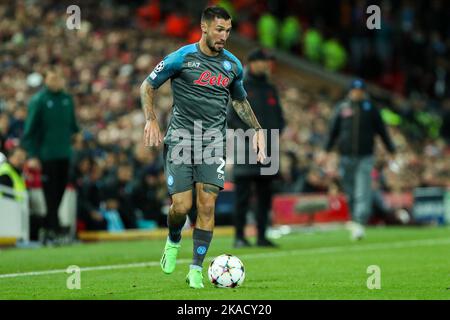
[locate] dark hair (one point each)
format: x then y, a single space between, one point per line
210 13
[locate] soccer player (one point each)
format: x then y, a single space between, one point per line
203 77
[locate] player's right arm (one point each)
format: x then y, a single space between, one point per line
152 132
166 69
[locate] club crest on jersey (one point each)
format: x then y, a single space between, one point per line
227 65
209 79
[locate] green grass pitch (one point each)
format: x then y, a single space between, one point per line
414 264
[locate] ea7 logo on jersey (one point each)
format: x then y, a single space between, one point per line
193 64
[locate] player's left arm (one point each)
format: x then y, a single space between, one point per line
245 112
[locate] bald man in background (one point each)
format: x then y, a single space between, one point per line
49 127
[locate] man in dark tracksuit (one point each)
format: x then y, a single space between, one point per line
49 127
354 125
264 100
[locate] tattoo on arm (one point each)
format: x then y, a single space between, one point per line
245 112
147 97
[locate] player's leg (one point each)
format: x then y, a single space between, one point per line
181 204
203 231
179 183
209 177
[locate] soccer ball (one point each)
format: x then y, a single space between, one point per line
226 271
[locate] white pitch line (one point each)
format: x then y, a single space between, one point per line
355 247
96 268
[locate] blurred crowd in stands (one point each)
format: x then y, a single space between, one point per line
117 46
409 54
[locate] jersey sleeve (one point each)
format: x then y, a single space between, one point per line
164 70
237 90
